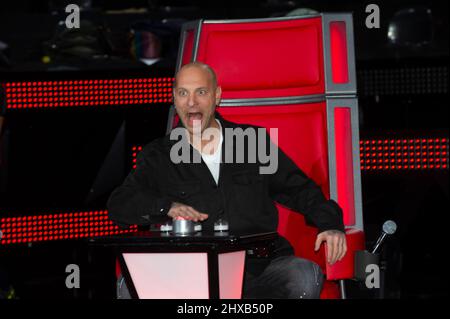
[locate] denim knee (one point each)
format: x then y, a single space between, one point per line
312 289
306 279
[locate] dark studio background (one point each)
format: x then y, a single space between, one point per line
51 158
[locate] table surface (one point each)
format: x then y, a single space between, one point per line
157 238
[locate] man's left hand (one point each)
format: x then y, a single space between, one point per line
336 244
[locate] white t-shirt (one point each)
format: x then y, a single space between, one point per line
213 160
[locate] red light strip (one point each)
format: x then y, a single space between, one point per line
404 154
136 150
339 59
86 93
344 163
47 227
392 154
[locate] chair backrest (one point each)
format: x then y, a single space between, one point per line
296 74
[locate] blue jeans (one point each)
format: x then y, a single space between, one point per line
286 277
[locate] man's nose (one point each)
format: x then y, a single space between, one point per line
191 100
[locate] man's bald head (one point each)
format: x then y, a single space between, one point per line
200 65
196 95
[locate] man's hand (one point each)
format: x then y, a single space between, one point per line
337 244
186 212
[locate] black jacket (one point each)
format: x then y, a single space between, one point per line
243 197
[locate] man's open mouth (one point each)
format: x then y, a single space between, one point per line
194 116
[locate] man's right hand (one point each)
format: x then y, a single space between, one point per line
186 212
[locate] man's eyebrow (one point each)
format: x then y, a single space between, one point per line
196 89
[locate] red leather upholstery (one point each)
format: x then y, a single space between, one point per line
302 133
302 136
344 269
295 68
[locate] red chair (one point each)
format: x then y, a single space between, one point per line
297 75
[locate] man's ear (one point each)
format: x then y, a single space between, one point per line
218 95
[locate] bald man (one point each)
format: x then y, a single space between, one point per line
211 188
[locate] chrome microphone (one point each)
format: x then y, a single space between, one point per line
389 228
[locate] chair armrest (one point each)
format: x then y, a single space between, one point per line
344 269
